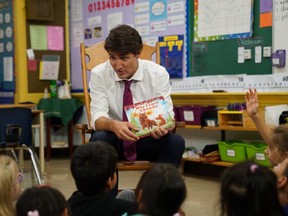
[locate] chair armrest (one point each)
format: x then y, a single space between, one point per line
180 124
81 127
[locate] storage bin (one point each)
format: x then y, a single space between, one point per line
192 114
232 151
256 151
176 112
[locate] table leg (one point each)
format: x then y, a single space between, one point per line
48 138
41 144
70 137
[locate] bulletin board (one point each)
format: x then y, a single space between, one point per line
91 20
7 67
220 56
55 19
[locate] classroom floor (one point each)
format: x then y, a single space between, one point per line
201 199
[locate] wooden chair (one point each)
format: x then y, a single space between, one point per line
91 57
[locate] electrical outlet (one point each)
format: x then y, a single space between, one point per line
247 53
266 51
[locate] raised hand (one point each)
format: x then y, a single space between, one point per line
252 103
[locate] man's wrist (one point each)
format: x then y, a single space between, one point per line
110 124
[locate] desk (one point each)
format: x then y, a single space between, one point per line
59 113
37 122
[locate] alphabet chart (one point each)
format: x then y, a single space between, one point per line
231 83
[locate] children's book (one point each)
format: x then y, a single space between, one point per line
149 114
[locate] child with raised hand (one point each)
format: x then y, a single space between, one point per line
248 189
42 201
161 191
10 188
276 138
93 167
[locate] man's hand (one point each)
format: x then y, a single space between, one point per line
123 130
252 104
158 132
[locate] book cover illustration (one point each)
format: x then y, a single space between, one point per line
149 114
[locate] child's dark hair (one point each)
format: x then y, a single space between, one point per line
123 39
91 166
249 189
47 201
162 190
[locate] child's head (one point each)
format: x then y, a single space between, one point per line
161 190
10 187
93 167
278 146
42 201
281 171
249 189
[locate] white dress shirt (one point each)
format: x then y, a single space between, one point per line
106 89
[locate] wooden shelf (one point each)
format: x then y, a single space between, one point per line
230 127
221 100
220 128
216 163
193 126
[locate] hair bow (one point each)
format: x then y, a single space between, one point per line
33 213
253 167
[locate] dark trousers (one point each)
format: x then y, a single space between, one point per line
167 149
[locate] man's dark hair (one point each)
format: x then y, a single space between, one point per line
91 166
123 40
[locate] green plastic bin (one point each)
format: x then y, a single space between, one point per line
256 152
232 151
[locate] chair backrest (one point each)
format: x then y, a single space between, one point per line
17 116
95 55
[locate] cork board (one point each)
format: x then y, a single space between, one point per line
35 85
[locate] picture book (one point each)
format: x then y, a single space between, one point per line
149 114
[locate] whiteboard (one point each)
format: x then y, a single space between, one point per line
222 19
280 30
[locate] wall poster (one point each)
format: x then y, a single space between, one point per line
7 76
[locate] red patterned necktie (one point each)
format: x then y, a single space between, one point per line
129 146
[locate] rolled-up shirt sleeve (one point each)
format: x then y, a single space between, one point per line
99 100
